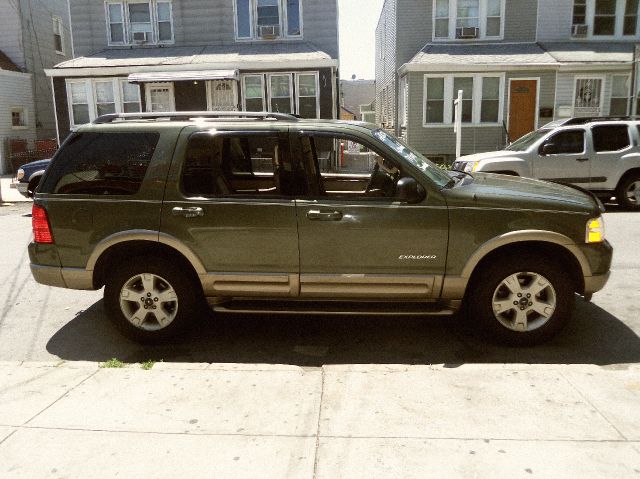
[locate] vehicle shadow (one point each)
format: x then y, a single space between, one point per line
592 337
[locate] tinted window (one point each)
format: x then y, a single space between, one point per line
102 163
567 142
610 138
239 165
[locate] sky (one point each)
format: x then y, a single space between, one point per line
358 20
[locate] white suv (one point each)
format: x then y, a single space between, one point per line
598 154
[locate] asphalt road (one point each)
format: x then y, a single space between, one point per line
39 323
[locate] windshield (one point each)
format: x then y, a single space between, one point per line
527 140
416 159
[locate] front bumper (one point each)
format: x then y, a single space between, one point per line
21 187
593 284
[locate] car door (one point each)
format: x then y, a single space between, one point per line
355 238
610 144
225 206
564 157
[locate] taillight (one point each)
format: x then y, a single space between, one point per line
40 224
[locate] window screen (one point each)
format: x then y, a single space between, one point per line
610 138
103 163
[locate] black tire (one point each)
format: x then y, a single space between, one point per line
489 284
166 277
33 184
630 183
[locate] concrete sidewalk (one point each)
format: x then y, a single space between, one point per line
235 420
8 194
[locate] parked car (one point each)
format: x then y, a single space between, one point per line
598 154
167 210
28 177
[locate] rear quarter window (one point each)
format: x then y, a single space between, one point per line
610 138
102 164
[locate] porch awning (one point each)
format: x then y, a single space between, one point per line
183 76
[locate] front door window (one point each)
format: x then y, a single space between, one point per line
223 95
160 98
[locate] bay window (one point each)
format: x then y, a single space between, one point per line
468 19
89 98
482 99
268 19
139 22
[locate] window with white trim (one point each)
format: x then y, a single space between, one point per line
403 101
468 19
253 92
58 35
482 99
307 95
588 95
268 19
132 22
297 93
606 18
18 117
91 97
280 93
619 104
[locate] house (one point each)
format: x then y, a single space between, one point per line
34 35
16 104
165 55
519 64
346 114
357 93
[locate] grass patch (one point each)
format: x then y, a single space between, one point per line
147 365
113 363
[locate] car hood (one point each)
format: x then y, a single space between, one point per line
489 155
502 191
36 165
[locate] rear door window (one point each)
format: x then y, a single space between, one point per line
102 164
608 138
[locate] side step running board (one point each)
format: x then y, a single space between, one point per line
335 308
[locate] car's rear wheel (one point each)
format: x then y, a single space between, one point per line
628 192
150 300
523 300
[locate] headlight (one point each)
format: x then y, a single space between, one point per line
471 166
20 174
595 230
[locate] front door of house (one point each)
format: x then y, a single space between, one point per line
160 97
522 107
223 95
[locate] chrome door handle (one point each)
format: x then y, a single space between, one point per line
192 212
582 159
318 215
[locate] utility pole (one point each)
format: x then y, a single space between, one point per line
457 125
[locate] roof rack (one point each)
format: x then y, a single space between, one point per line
192 115
590 119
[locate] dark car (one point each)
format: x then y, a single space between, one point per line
28 177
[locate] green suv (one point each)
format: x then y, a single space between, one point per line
255 212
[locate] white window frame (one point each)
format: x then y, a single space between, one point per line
150 86
57 22
403 102
23 113
627 78
89 85
210 92
120 90
253 19
291 96
297 92
449 97
482 22
126 24
243 90
577 78
619 26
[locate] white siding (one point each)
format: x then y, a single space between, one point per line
15 91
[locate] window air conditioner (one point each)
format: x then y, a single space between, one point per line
269 31
467 32
579 30
141 37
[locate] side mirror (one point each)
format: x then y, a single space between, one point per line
409 190
548 149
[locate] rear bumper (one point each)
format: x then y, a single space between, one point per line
71 278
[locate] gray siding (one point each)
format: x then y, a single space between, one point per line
11 34
415 28
40 53
554 20
520 20
203 22
15 91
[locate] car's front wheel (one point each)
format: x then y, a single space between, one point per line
522 300
150 300
628 192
